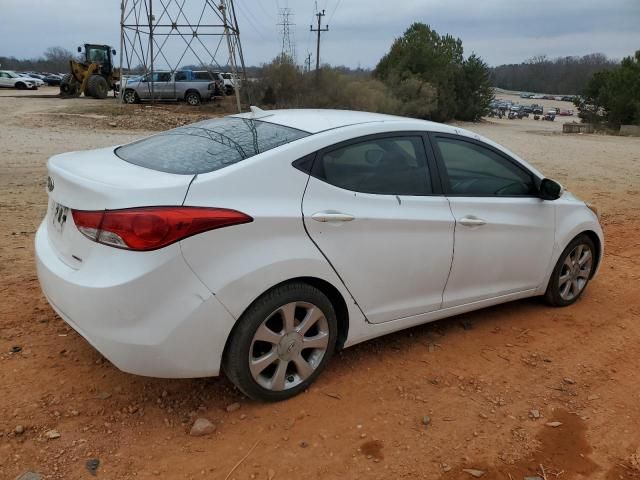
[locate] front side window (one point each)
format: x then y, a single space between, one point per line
386 166
207 146
161 76
478 171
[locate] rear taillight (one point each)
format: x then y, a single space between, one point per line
150 228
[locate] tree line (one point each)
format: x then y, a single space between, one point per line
562 75
424 75
54 60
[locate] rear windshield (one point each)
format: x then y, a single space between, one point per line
207 146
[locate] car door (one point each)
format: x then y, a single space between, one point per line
163 86
6 80
504 232
373 210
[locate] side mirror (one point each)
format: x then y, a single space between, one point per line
79 49
113 51
550 189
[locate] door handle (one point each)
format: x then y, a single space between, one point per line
471 221
332 216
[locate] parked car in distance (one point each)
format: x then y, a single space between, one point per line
10 79
35 79
52 79
537 109
565 113
259 243
169 86
526 95
568 98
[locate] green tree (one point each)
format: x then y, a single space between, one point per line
613 96
430 64
473 89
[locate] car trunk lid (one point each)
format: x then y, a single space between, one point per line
99 180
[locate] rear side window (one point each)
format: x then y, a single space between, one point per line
475 170
207 146
385 166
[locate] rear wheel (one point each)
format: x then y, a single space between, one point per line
97 86
20 86
282 342
572 272
192 98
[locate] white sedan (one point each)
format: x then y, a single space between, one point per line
258 244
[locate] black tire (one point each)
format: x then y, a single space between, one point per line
266 312
192 98
130 96
97 87
69 86
567 268
20 86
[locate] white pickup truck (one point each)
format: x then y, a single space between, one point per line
168 86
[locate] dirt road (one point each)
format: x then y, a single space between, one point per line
473 392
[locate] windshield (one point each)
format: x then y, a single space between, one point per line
96 54
207 146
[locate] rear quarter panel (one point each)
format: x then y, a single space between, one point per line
241 262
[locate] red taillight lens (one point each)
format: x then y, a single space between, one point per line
150 228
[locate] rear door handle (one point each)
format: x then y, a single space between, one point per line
332 216
471 221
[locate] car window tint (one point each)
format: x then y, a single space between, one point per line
181 76
162 77
387 166
207 146
476 170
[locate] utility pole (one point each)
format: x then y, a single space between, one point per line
307 63
319 30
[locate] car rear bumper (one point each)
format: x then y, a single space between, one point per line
148 314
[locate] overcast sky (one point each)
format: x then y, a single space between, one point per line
360 31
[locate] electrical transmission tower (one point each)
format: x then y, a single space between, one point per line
288 36
319 30
168 34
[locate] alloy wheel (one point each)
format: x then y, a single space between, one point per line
288 346
575 272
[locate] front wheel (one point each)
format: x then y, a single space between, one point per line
282 342
572 272
130 96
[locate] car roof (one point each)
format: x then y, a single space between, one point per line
319 120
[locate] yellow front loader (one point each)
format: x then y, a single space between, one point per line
94 77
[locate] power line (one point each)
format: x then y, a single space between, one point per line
334 11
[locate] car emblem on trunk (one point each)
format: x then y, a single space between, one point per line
50 184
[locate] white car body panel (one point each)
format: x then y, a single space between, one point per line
169 312
517 230
98 180
406 238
